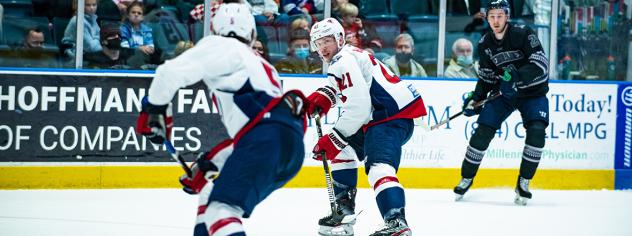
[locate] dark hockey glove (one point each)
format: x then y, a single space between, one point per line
508 83
469 108
203 170
330 144
321 101
155 122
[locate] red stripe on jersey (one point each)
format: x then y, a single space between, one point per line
256 119
214 99
411 111
384 180
268 70
390 78
221 223
218 148
263 111
202 209
401 232
334 161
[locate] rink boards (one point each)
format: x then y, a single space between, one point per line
76 131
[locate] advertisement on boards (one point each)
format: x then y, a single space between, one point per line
581 133
85 118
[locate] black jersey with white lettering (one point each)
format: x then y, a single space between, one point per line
519 50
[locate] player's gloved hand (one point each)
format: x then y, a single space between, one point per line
155 122
469 105
507 83
330 144
203 170
321 101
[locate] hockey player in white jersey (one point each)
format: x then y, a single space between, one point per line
266 127
376 120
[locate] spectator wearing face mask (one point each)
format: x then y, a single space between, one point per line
462 64
110 57
299 59
402 63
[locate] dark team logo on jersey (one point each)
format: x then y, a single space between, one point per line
335 59
506 57
533 40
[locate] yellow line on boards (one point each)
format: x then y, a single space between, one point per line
95 177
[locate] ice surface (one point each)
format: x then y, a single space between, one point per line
295 211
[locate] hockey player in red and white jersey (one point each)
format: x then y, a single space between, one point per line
376 120
266 127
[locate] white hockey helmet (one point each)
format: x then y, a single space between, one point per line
327 27
234 19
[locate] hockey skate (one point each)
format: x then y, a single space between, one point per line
462 188
394 227
340 222
522 191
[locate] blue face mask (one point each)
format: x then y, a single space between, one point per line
464 60
301 53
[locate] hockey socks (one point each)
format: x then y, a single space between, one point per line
344 180
220 219
530 159
472 161
389 193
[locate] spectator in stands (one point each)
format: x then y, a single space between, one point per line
299 60
261 49
296 8
122 5
138 37
267 12
300 23
33 38
462 64
367 36
402 63
31 53
91 30
110 57
335 6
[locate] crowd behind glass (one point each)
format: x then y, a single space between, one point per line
404 34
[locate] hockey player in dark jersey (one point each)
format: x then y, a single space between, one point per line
513 63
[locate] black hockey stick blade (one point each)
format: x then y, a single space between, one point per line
178 158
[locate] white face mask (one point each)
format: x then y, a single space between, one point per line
464 60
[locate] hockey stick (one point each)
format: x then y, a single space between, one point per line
476 105
176 156
330 187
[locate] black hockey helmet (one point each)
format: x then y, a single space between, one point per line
499 4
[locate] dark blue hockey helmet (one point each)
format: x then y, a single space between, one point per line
499 4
